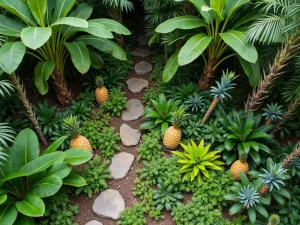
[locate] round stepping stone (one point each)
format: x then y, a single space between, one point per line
142 68
143 40
94 222
141 52
120 165
129 136
109 204
136 85
133 111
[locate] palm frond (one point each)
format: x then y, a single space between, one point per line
5 87
276 6
294 16
6 135
123 5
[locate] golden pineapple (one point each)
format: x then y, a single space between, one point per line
173 134
101 92
72 125
240 165
263 190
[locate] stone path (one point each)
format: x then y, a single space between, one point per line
110 203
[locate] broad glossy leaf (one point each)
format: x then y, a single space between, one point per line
25 149
42 72
71 21
180 22
104 45
80 56
3 198
217 4
38 9
231 197
8 214
171 67
96 59
235 208
255 156
112 26
218 15
10 27
13 175
55 145
74 180
147 125
11 55
24 220
207 15
35 37
19 9
252 215
76 156
83 11
252 70
32 206
193 48
97 30
235 40
233 5
46 187
62 8
262 211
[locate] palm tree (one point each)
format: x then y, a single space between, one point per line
279 25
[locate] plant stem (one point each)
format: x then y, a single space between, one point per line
291 157
210 110
222 60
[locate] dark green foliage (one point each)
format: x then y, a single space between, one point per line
99 115
114 78
59 210
195 103
152 93
116 103
58 134
88 98
182 92
9 104
213 133
108 142
19 123
133 216
166 197
158 61
95 173
80 110
91 130
150 149
192 129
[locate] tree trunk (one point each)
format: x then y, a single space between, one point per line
210 110
290 158
208 76
21 92
61 88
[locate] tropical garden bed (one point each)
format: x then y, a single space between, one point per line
190 117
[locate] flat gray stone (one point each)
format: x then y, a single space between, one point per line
120 165
136 85
129 136
142 68
109 204
94 222
143 40
133 111
141 52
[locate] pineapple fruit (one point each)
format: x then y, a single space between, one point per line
101 92
240 165
274 220
72 125
173 134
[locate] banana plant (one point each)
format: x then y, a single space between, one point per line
27 177
46 29
219 29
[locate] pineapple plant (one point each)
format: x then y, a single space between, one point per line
240 165
101 92
274 220
173 134
220 92
272 113
71 124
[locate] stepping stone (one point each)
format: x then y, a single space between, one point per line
142 68
143 40
109 204
141 52
94 222
133 111
136 85
120 165
129 136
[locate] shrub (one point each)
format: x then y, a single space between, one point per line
87 98
116 103
150 149
91 130
108 142
133 216
100 115
80 110
152 94
95 173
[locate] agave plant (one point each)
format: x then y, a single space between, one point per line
246 196
166 196
197 160
273 113
245 135
28 177
161 115
53 25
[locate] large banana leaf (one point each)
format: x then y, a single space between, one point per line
76 156
74 180
35 37
32 206
8 214
112 26
24 220
207 15
11 55
62 8
80 56
103 45
217 4
233 5
38 9
193 48
252 70
42 73
97 30
235 39
71 21
96 59
83 11
10 27
180 22
171 67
